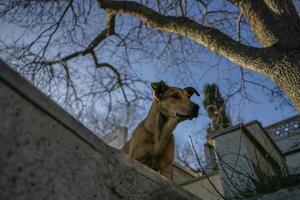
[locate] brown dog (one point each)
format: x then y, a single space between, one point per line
152 142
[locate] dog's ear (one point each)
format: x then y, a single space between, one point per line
191 91
159 88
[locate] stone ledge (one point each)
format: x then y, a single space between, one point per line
46 153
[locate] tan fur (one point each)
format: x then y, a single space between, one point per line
152 142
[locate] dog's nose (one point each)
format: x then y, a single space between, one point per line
195 108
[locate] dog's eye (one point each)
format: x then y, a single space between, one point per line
176 96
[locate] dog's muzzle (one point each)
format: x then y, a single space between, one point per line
195 110
194 113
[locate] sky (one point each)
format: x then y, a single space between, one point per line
210 69
261 108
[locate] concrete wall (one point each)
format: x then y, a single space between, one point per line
289 143
203 188
291 193
117 138
210 157
293 162
286 135
232 153
239 148
263 138
256 158
47 154
182 174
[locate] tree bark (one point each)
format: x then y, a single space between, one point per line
286 73
274 22
261 20
255 59
279 59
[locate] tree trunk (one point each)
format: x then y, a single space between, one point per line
286 73
275 23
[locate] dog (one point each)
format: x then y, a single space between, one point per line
152 142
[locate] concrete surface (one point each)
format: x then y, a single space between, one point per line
291 193
203 188
47 154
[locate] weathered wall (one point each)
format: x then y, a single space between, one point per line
293 162
117 138
232 153
291 193
203 188
240 147
46 154
286 135
289 143
266 141
182 174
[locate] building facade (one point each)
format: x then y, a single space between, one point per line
235 154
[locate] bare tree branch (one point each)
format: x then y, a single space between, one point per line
210 37
270 27
91 46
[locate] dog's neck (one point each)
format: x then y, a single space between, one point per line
158 124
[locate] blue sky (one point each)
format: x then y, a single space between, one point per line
262 108
209 68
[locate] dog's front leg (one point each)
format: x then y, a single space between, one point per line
159 147
168 172
156 162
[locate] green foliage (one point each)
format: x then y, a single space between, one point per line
265 182
215 107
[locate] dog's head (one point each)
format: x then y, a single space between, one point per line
175 102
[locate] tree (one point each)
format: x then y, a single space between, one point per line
51 48
84 53
275 23
215 106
